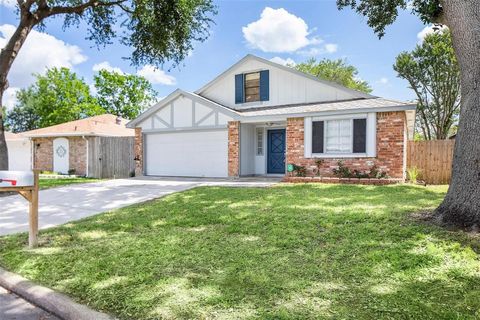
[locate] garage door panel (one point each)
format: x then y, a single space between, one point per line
194 154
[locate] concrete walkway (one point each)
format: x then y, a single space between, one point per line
13 307
64 204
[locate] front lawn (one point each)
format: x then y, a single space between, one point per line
46 183
288 252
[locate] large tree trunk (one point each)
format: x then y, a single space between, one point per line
461 206
7 56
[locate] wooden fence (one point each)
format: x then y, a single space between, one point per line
432 158
111 157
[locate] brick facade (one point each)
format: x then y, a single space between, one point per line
138 152
390 148
233 148
43 154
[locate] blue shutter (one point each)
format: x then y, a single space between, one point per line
264 85
239 88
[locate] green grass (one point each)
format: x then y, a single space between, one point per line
46 183
288 252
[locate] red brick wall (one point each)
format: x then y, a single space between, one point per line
390 148
233 148
43 154
138 152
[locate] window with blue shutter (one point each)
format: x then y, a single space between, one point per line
264 85
359 135
317 136
239 86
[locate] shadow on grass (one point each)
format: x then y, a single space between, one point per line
302 251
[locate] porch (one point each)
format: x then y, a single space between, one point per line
257 149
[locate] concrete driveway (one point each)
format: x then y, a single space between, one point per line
61 205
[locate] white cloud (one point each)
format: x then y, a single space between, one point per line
39 52
383 80
316 51
8 3
285 62
278 30
105 65
331 47
428 30
156 76
10 97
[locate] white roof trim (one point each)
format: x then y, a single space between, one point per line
73 134
172 96
356 93
278 117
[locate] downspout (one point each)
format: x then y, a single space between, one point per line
32 153
86 167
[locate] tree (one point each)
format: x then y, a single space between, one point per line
432 71
23 116
158 31
58 96
461 206
124 95
338 71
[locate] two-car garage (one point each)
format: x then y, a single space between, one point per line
185 135
187 153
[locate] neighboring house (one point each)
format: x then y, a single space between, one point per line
65 148
259 116
19 152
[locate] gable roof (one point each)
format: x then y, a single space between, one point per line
355 93
172 96
102 125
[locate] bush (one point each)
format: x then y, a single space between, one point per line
413 174
345 172
300 171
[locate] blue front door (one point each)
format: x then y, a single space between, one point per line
276 151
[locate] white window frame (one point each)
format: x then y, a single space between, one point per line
259 132
371 144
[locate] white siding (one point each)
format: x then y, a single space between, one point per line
183 112
285 87
247 149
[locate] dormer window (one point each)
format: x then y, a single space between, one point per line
252 87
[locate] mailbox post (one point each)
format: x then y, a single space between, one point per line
26 184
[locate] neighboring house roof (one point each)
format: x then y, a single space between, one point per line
9 136
355 93
102 125
172 96
334 107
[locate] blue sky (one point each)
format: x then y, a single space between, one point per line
293 30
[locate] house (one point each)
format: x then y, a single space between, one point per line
258 116
68 148
19 152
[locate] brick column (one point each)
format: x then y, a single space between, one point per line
295 137
138 152
390 142
233 148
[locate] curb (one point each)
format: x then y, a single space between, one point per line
56 303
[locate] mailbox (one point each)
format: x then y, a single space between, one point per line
16 179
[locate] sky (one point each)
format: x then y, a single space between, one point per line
287 31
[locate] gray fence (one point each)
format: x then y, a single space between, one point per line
111 157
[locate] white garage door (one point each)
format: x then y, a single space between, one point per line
188 154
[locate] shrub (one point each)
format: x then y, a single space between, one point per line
413 174
300 171
344 172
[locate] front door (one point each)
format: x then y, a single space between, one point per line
276 151
60 155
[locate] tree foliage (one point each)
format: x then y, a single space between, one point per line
338 71
56 97
432 71
381 14
124 95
